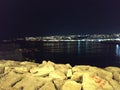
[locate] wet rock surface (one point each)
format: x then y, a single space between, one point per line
15 75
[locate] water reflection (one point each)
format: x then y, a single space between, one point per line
117 50
78 47
73 47
53 47
61 47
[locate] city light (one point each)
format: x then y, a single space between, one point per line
72 38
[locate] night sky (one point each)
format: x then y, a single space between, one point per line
19 18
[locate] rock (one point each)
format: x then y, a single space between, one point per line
71 85
114 84
69 73
15 75
30 83
80 68
57 75
10 63
62 67
9 80
21 69
43 70
58 83
115 71
94 82
29 64
116 76
112 69
101 72
10 88
77 76
48 86
2 70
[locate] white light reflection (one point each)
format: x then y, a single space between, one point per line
79 47
117 50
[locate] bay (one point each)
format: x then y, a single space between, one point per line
73 52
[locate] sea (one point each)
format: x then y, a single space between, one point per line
92 53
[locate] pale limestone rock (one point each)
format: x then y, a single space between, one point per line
28 64
62 67
21 69
9 80
112 69
8 69
30 83
116 76
69 73
9 88
42 71
58 83
48 86
57 75
47 63
71 85
50 63
101 72
115 71
77 76
114 84
44 62
80 68
94 82
11 63
2 70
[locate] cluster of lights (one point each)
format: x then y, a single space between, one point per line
87 37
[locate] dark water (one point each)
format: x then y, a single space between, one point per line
87 53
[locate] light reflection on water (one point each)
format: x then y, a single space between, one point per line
117 50
72 47
78 47
58 47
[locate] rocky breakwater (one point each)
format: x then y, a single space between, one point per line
25 75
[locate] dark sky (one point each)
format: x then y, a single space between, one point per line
46 17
